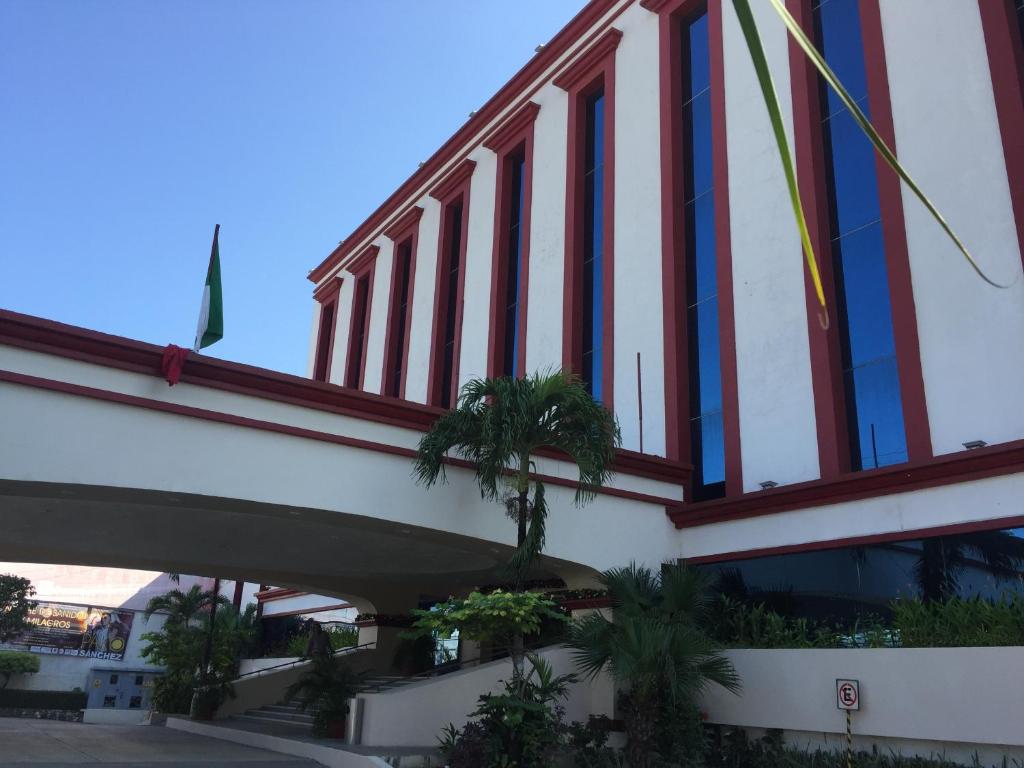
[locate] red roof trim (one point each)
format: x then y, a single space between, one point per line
512 130
593 59
404 223
364 261
571 34
992 461
450 183
328 290
278 593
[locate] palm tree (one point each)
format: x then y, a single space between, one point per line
325 687
183 608
501 424
656 649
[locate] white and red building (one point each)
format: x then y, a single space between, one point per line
619 209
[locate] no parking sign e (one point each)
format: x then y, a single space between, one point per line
848 695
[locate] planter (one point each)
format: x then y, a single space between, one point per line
336 727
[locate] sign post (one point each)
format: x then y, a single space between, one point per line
848 699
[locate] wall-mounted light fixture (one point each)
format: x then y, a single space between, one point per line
767 485
970 445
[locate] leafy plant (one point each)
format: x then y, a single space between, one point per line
498 617
180 645
656 648
959 622
340 637
520 727
15 603
16 663
325 688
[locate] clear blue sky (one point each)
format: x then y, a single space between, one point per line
128 129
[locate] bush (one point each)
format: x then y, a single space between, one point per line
733 750
16 663
19 699
959 623
340 637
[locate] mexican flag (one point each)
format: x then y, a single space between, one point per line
211 313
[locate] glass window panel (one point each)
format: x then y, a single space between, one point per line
700 68
853 174
840 40
705 316
712 447
700 222
879 414
865 295
698 112
593 247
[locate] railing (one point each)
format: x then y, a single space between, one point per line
299 662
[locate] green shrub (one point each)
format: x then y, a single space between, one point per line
16 663
20 699
732 749
959 623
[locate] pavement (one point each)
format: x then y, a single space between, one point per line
53 744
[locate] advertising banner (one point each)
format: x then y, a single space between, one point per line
78 630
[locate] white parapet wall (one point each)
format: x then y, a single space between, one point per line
955 701
413 715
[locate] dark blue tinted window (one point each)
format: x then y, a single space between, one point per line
403 255
705 370
514 265
593 247
871 379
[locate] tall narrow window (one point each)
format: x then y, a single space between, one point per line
357 337
1020 18
510 266
592 346
707 441
589 294
871 379
324 342
398 321
443 377
516 167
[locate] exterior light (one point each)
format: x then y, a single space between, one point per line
767 485
970 445
539 48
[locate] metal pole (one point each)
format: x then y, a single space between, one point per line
640 401
849 741
208 655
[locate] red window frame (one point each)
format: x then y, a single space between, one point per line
592 71
404 232
452 190
327 296
508 142
363 269
673 15
1006 65
826 361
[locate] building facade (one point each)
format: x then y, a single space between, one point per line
618 209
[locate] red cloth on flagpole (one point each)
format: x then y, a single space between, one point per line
172 363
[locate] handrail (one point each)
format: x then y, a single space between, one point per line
304 660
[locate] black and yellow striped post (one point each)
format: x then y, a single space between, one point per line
849 740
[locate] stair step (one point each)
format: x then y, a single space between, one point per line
283 708
298 717
264 718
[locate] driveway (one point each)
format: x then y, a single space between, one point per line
52 744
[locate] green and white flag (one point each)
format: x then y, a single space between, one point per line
211 313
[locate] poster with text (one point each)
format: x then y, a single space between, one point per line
78 630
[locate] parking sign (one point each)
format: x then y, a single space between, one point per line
848 694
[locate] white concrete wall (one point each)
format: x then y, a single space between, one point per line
303 602
414 714
945 696
377 329
987 499
639 319
947 135
547 231
342 321
476 296
778 435
423 296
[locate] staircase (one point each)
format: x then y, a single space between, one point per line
290 714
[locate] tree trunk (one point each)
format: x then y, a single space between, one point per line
641 724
